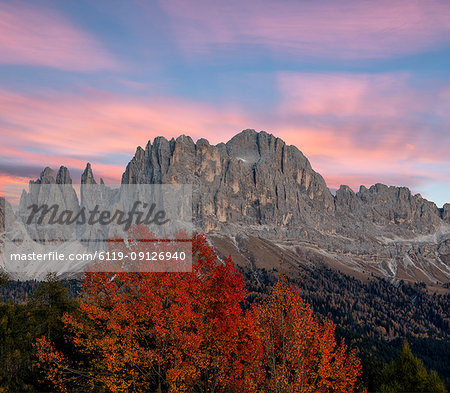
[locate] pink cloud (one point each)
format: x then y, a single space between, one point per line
71 129
33 36
5 191
364 114
361 129
343 30
344 95
96 122
354 129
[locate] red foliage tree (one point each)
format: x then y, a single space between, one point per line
187 332
159 331
300 353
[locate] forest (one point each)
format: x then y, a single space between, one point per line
222 329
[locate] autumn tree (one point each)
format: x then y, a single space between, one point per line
300 352
21 324
188 332
158 332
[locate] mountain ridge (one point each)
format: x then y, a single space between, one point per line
256 184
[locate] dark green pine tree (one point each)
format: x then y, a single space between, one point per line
21 325
408 374
49 302
3 278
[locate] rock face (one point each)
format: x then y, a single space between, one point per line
2 214
393 208
42 192
254 179
255 184
87 176
446 212
257 179
63 176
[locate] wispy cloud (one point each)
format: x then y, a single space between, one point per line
320 29
355 129
42 37
104 128
359 128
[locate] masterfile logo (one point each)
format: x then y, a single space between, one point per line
96 215
99 228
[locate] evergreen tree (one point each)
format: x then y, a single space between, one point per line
21 325
408 374
49 302
3 278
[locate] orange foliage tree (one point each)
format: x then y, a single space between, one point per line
300 352
187 332
159 332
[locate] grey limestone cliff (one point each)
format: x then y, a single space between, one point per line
257 185
254 179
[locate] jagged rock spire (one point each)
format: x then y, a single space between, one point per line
87 176
47 176
63 176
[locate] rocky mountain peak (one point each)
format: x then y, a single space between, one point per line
47 176
253 178
446 212
258 185
87 176
63 176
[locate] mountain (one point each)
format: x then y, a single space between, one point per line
259 200
256 189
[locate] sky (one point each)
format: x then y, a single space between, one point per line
362 88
